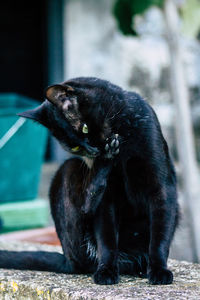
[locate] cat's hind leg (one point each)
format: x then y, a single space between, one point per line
66 200
107 245
72 226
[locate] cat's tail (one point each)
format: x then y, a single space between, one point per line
35 260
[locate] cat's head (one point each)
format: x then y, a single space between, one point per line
77 114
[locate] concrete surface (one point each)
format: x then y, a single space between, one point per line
25 285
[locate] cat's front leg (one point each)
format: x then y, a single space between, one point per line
102 168
106 234
97 187
163 219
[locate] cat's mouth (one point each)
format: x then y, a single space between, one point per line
86 150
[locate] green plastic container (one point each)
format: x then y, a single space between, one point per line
21 156
24 215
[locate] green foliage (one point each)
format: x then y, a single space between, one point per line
126 10
190 13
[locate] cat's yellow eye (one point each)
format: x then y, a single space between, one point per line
75 149
85 128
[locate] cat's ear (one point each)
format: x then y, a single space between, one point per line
36 114
57 93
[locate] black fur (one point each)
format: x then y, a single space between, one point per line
119 215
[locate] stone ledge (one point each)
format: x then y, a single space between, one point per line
25 285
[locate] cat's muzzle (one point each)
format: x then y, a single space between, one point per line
92 152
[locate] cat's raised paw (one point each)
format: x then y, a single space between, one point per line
112 146
160 276
106 276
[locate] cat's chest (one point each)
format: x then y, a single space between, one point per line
88 161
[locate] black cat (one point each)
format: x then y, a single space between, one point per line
114 204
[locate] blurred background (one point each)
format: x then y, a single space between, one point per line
149 46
